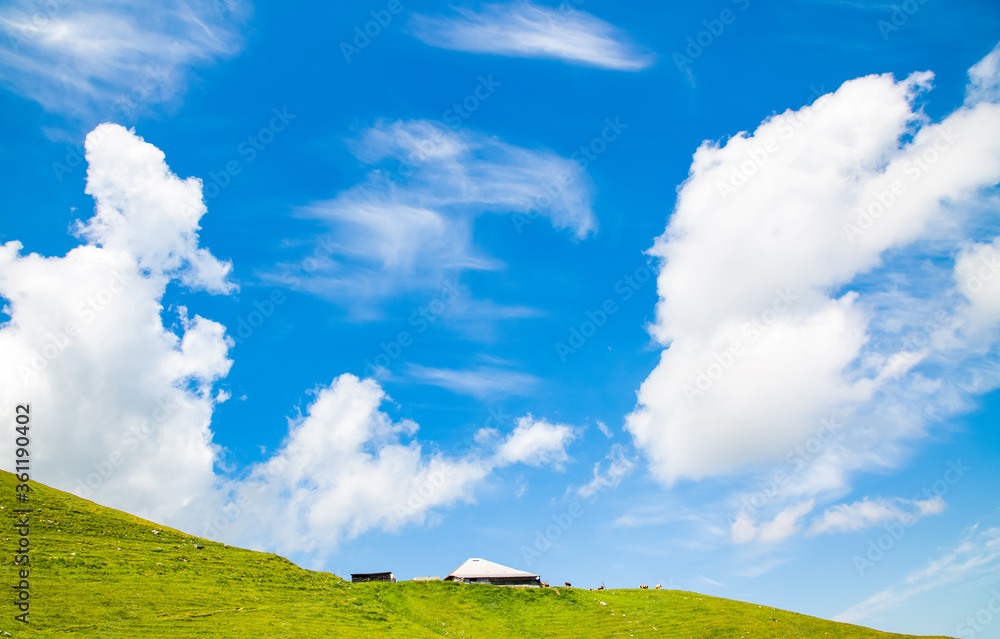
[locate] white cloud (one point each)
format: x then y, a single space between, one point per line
144 209
784 524
601 426
874 512
788 293
123 404
619 467
977 276
984 79
344 470
536 443
522 29
106 59
482 382
977 553
410 224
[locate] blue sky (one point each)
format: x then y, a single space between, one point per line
629 293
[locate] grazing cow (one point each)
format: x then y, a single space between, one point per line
658 586
601 586
568 584
545 584
644 587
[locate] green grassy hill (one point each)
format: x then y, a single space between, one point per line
103 574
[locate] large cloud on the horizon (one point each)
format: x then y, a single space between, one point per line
347 467
118 398
123 391
783 303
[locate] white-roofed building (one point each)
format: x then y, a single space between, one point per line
480 571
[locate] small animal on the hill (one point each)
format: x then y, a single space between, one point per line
602 586
644 587
658 586
545 584
568 584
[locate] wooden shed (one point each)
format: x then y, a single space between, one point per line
362 577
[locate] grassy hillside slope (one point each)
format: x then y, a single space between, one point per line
103 574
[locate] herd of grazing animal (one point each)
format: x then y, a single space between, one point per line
545 584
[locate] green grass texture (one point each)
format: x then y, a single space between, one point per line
100 573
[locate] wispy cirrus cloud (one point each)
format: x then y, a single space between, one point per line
106 59
873 512
525 30
482 382
977 553
409 224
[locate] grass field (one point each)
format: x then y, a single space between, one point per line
103 574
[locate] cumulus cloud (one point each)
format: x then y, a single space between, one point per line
343 470
346 468
125 390
125 401
536 443
105 59
807 275
525 30
410 223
